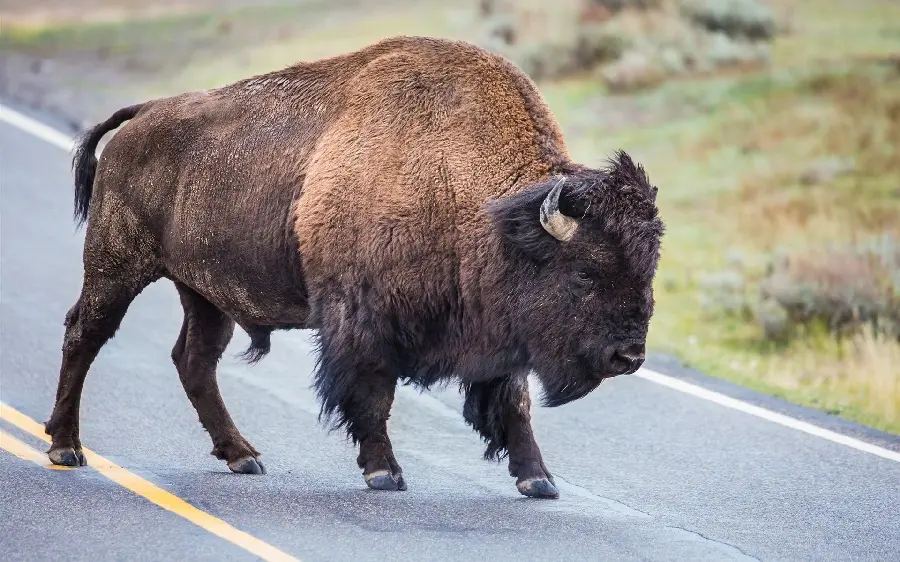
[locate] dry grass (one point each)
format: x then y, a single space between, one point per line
335 30
743 167
858 376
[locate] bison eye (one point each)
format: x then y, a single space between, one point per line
584 277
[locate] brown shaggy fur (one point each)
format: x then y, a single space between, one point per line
389 200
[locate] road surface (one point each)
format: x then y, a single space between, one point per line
645 471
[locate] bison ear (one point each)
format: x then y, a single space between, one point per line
518 219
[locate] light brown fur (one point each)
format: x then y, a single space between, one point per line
456 127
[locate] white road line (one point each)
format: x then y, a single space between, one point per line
60 140
36 128
768 415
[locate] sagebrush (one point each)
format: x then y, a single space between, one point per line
630 44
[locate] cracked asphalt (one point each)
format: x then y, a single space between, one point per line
645 472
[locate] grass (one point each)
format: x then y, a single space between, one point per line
327 37
762 146
729 152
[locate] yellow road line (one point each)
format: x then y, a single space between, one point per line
155 494
26 452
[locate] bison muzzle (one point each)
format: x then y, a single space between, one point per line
412 203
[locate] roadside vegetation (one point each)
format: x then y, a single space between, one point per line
772 129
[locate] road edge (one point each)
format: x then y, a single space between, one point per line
673 367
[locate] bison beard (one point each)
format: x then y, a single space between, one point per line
558 392
412 203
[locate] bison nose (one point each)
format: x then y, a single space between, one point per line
627 359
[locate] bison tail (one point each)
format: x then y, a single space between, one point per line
84 162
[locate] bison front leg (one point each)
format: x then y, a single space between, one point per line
360 397
500 410
367 412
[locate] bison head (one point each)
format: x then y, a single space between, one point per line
580 254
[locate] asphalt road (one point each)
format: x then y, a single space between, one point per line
645 472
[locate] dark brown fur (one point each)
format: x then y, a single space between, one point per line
387 199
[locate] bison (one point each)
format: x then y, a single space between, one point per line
413 203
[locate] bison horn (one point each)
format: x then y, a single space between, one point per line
557 224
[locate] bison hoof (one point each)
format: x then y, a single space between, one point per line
67 457
247 465
384 480
538 488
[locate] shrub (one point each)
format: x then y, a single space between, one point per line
844 288
554 47
722 50
634 71
726 292
618 5
597 44
635 43
749 19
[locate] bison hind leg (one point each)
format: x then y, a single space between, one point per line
205 333
106 294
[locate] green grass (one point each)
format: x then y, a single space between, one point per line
712 195
117 37
327 37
